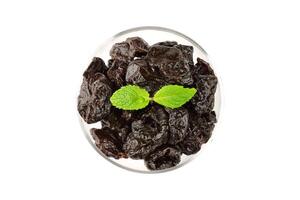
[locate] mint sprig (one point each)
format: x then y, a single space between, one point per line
173 96
132 97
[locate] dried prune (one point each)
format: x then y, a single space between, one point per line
93 100
206 84
119 125
132 47
171 64
116 72
202 68
187 52
96 66
120 51
163 158
203 122
138 72
190 145
163 55
199 132
178 124
147 134
203 100
107 143
206 124
137 47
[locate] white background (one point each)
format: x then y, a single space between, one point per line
46 45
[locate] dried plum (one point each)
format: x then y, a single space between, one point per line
199 132
132 47
171 64
178 124
202 124
147 134
202 68
107 143
93 100
137 47
163 158
119 125
187 52
96 66
138 72
206 124
204 99
116 72
190 145
120 51
206 84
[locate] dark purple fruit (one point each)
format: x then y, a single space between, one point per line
96 66
119 125
171 64
147 134
117 71
137 47
108 143
93 100
131 48
163 158
187 52
178 124
190 145
138 72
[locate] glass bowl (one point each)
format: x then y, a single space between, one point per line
151 34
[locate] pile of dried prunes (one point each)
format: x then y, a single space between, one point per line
156 134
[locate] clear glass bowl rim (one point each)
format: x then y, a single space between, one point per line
151 28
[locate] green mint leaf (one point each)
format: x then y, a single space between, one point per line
173 96
130 97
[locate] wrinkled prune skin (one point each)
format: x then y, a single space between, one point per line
141 74
206 85
137 47
202 124
96 66
132 47
206 124
120 51
178 124
199 132
170 63
147 134
117 124
203 100
138 72
190 145
117 71
108 143
202 68
167 43
93 100
187 52
162 158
